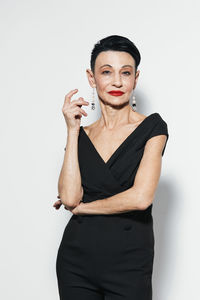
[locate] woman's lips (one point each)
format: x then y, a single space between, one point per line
116 93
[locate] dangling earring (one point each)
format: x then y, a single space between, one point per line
93 100
134 103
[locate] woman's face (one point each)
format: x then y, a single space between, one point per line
114 70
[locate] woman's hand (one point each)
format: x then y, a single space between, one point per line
72 110
78 210
57 204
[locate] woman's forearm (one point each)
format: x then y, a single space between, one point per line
69 184
125 201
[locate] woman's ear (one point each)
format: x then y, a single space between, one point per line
91 78
136 78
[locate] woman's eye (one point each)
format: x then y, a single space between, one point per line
104 72
127 72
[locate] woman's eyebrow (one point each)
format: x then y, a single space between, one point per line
111 66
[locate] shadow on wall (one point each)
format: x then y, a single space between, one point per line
166 216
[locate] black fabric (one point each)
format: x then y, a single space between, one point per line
160 128
109 256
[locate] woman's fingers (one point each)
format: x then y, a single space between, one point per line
80 101
57 204
69 95
72 110
78 111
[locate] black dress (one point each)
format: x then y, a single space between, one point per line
109 256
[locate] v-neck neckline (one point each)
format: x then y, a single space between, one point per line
121 145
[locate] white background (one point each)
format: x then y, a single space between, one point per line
45 50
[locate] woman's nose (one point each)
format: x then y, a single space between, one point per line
117 80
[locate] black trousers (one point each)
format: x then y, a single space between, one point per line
106 258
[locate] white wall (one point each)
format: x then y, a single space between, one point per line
45 50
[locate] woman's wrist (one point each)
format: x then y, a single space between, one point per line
72 134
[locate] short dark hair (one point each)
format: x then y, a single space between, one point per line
115 43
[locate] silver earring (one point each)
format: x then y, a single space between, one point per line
134 103
93 100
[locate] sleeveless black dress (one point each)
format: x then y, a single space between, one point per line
109 256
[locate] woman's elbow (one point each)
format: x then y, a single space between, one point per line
145 201
71 200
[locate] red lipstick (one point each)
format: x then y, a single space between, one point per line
116 93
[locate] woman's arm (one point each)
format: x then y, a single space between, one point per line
141 194
69 184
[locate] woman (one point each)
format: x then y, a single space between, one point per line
108 180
